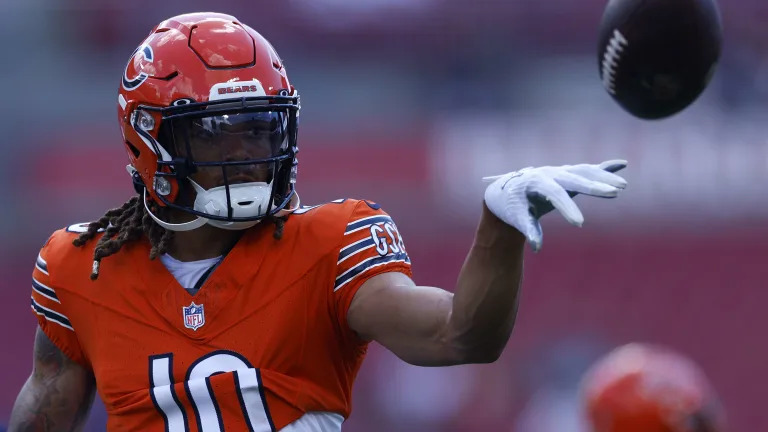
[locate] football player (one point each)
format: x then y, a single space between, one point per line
649 388
212 300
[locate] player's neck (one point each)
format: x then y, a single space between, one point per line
202 243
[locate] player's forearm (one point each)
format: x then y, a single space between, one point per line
58 394
487 292
39 409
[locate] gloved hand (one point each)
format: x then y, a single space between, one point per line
521 197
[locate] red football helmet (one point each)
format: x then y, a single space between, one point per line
645 388
204 92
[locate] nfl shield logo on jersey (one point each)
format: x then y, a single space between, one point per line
194 316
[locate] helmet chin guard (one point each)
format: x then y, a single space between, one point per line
200 221
247 200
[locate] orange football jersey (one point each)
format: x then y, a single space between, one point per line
263 342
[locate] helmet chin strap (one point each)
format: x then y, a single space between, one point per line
186 226
295 204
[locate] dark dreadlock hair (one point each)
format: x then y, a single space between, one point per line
131 222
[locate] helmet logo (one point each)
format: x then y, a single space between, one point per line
236 89
145 51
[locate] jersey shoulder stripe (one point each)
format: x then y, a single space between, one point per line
45 291
51 315
367 264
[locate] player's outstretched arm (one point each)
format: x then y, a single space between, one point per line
58 394
431 327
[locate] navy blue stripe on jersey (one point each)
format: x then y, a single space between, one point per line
45 291
305 209
355 248
41 264
366 222
368 264
51 315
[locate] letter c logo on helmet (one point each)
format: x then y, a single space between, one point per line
145 52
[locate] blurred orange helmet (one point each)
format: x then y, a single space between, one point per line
648 388
208 74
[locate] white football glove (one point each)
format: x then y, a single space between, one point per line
520 198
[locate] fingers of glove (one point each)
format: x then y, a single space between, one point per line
575 183
533 233
558 197
595 173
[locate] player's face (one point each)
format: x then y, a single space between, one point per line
232 138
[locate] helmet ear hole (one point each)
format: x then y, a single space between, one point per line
133 149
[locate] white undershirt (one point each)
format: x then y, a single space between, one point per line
187 272
316 422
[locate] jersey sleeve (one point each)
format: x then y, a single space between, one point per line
50 310
371 245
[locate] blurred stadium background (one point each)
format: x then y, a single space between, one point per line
409 103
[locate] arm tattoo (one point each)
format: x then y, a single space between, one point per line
49 360
58 394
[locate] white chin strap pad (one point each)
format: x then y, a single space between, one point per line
247 199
